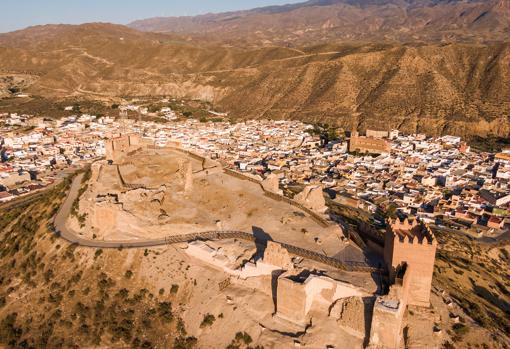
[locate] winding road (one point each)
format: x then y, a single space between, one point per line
65 233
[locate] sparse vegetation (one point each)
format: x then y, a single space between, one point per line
86 302
208 320
465 269
242 340
98 253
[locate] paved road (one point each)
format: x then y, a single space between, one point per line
32 196
72 237
29 197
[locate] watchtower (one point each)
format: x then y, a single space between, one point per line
410 248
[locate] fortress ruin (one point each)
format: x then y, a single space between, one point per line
410 252
155 193
122 145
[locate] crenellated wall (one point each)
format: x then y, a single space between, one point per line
413 244
121 146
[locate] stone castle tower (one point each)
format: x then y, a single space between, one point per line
118 147
410 248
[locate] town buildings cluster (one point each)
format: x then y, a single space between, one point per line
440 180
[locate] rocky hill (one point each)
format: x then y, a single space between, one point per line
435 88
340 20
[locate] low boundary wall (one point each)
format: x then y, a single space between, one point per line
316 217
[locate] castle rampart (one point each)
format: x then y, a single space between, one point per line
411 243
124 145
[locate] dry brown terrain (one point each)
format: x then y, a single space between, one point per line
57 295
341 20
164 207
474 276
434 88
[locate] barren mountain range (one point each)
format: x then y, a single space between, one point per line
358 71
340 20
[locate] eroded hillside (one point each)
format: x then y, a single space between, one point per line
341 20
49 289
434 88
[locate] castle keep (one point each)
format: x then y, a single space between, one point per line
410 247
409 254
117 147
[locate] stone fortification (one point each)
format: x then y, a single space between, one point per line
388 314
298 295
278 256
354 315
272 183
411 244
118 147
312 198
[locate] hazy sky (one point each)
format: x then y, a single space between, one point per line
17 14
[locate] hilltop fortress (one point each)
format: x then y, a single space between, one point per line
301 260
409 254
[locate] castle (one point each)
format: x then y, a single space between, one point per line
117 147
409 255
410 249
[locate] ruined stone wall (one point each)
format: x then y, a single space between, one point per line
120 146
315 294
277 255
291 300
109 150
134 140
312 197
386 328
354 315
272 184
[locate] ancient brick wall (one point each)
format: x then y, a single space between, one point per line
277 255
121 146
420 259
386 329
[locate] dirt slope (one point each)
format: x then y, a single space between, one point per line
433 88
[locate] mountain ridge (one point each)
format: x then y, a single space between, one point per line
434 88
343 20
